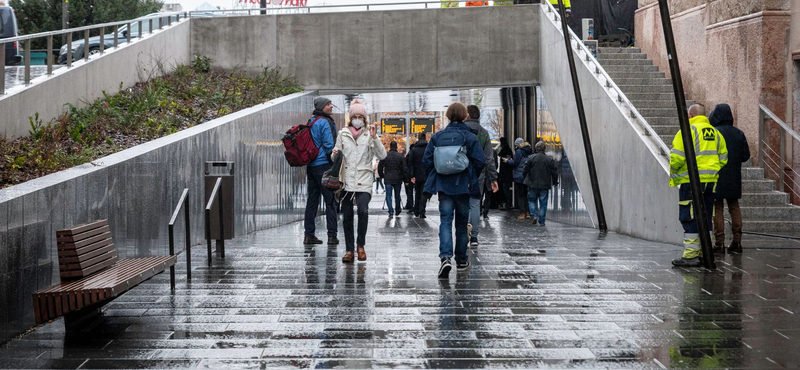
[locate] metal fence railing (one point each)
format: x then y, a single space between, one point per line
773 162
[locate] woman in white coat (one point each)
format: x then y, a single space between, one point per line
359 147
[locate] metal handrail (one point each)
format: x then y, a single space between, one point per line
216 195
609 83
67 33
183 203
763 114
248 10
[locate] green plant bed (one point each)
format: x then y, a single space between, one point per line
188 96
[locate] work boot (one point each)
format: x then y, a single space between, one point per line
362 254
735 247
312 240
687 262
521 216
527 215
719 248
348 257
332 240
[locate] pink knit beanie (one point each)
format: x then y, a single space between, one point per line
357 107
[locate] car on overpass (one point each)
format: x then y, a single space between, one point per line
108 39
8 29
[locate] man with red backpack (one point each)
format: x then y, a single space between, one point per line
323 133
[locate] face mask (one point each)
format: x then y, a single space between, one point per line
357 123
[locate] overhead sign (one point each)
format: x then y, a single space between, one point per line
422 125
393 126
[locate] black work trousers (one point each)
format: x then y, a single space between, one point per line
420 200
361 201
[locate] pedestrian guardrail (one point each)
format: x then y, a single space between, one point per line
216 197
347 7
162 19
775 162
183 204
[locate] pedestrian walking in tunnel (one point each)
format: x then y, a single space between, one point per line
378 179
729 185
323 133
540 174
524 151
506 177
486 178
712 154
418 173
360 147
454 158
393 171
410 205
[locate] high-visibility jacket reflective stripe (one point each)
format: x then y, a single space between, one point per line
710 151
555 3
477 3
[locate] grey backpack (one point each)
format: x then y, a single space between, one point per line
450 159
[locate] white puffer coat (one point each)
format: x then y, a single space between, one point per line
357 171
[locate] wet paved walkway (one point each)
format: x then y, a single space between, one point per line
554 297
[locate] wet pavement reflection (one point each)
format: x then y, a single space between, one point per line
536 297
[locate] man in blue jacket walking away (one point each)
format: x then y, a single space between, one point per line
323 132
454 159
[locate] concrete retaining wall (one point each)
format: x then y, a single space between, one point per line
86 81
137 189
633 179
410 49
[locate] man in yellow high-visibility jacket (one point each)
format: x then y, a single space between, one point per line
712 155
567 7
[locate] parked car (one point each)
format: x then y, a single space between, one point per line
8 29
108 39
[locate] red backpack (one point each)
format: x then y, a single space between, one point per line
300 147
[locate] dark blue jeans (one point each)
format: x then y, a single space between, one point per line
396 189
537 203
449 207
315 190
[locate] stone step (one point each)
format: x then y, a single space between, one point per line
619 50
625 62
651 96
752 173
667 139
755 186
632 88
665 121
628 56
786 212
642 81
634 74
639 104
664 129
764 199
770 226
629 68
658 112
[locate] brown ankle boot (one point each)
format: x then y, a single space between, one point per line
362 255
348 257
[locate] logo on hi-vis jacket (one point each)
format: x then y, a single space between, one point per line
709 135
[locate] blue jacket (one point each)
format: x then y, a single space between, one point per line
465 182
323 138
518 162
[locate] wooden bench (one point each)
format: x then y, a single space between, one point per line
91 272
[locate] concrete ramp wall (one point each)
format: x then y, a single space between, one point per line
382 50
132 62
632 172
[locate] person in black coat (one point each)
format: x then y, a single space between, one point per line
419 174
729 185
506 178
393 171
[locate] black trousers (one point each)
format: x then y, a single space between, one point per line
361 201
487 201
521 193
315 191
420 200
409 197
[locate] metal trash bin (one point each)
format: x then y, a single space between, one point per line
214 170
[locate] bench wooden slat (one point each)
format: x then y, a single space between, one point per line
89 270
86 256
77 253
84 242
88 263
82 228
71 238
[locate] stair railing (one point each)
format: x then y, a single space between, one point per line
610 86
774 163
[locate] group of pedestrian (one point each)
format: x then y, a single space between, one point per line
720 149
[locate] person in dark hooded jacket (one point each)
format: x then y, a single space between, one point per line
729 185
522 153
419 174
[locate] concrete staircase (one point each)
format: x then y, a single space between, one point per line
764 210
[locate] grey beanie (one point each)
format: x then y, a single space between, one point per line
518 141
540 147
320 102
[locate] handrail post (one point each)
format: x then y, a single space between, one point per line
781 162
28 62
86 45
587 144
102 40
2 68
686 134
761 138
69 50
116 36
188 240
49 55
208 234
221 242
171 228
